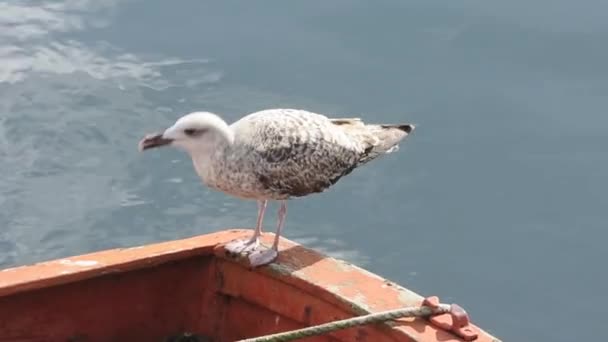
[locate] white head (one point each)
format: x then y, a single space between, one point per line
194 132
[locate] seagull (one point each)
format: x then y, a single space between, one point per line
275 155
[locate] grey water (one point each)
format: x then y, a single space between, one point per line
497 202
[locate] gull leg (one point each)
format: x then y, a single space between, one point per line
261 210
281 223
259 258
247 245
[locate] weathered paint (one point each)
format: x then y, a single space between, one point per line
197 288
81 263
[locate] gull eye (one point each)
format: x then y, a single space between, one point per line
190 132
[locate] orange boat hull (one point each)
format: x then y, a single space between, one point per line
156 291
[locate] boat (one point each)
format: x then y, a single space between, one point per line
191 290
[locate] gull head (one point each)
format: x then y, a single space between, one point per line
192 132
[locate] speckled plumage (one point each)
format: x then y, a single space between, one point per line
275 154
282 153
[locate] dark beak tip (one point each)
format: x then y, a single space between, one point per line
151 141
141 146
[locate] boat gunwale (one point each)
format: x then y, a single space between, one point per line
296 269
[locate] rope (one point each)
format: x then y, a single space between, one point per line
419 311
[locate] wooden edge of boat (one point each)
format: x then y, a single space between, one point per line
339 283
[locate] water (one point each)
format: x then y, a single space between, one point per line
496 202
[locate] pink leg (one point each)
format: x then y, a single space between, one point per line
258 227
282 214
259 258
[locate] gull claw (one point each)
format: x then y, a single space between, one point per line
262 257
241 246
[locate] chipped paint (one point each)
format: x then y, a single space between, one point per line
334 289
281 269
80 263
12 269
361 301
343 265
346 283
357 309
407 297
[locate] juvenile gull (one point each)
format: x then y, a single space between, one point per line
275 154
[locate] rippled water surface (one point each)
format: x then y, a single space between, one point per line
497 201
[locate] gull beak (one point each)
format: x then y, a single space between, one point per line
152 141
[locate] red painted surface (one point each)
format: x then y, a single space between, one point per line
152 292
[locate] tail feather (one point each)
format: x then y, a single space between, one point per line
387 139
378 139
407 128
347 121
